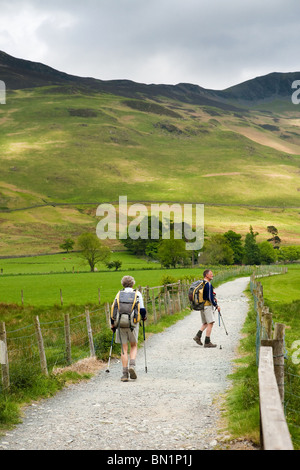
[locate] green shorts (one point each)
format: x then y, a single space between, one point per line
128 335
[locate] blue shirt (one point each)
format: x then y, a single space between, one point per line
208 293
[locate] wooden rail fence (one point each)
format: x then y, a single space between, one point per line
274 430
270 354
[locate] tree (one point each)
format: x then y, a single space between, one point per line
67 245
171 252
146 246
149 246
217 251
267 253
251 249
275 238
114 264
235 242
289 253
92 250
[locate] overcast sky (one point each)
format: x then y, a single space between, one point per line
211 43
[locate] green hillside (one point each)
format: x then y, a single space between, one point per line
67 145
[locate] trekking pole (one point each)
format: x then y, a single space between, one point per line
220 316
111 346
146 368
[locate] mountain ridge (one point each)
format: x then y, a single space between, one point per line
21 74
68 139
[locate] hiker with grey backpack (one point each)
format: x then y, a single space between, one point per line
126 313
202 299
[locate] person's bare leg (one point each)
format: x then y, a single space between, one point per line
124 360
124 355
208 329
133 353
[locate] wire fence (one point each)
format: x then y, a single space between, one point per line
291 403
43 346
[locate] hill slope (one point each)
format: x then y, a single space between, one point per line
87 141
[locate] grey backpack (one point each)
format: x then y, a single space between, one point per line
196 295
125 311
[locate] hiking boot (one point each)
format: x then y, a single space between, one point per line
198 340
124 377
132 372
210 345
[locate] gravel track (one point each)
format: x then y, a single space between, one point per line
170 407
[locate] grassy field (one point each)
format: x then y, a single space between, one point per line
65 262
79 289
285 290
92 148
41 279
151 155
282 295
283 298
42 230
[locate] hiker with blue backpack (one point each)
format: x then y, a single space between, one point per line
202 298
126 312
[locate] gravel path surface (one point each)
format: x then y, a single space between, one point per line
170 407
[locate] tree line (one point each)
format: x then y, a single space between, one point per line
223 249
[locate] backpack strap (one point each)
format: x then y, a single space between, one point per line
136 320
194 291
113 305
118 300
135 297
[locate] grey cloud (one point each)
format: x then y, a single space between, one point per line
211 43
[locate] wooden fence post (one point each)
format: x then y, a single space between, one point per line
42 354
159 304
90 333
267 322
165 300
107 314
153 306
61 297
170 302
178 296
68 338
4 357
